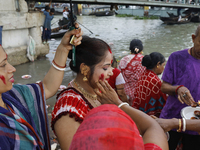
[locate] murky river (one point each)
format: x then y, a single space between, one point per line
118 32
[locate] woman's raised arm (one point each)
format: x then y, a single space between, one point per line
54 77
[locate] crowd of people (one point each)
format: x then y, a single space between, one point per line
106 106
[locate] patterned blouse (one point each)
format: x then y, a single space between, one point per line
70 101
131 69
148 95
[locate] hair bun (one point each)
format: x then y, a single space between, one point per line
146 61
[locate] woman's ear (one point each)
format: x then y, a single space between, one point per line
158 64
84 69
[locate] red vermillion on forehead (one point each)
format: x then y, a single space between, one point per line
109 50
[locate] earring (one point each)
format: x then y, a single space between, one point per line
85 78
157 66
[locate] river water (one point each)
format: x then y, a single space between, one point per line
117 32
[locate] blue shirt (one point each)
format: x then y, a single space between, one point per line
47 21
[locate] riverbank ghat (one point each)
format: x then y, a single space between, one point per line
18 24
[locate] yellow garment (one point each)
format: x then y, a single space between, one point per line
146 7
79 6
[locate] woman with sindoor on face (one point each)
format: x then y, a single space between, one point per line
23 114
131 68
93 64
148 95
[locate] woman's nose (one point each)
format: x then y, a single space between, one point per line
11 68
110 73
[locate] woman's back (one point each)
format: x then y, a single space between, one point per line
131 69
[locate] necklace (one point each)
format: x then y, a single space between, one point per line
86 94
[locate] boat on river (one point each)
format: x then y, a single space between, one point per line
58 32
102 11
62 29
172 19
195 14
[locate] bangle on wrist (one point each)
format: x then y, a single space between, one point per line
176 91
184 125
58 68
180 125
59 65
124 103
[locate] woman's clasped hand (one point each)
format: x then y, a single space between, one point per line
106 94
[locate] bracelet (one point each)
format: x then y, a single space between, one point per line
125 103
176 91
180 125
58 65
60 69
184 125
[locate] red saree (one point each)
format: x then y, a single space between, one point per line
131 69
148 95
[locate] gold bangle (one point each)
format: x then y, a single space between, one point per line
179 125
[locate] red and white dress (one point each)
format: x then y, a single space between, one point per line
131 69
116 78
70 101
148 95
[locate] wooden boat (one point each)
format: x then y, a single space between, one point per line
63 22
59 34
105 13
59 31
195 18
102 11
172 19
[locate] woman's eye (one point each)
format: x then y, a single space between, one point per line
105 69
3 65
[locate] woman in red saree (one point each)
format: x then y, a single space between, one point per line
131 68
148 95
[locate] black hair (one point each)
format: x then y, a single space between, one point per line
52 10
136 43
114 63
47 7
91 51
151 60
